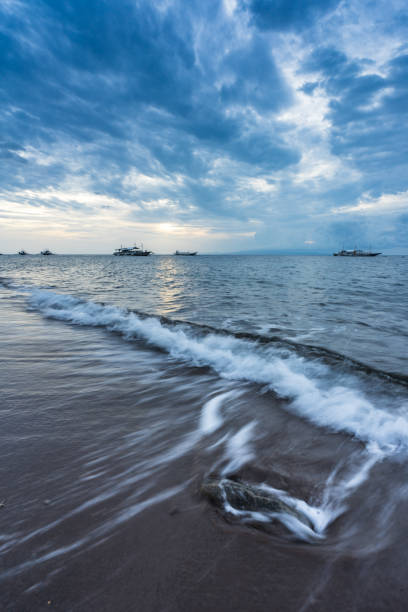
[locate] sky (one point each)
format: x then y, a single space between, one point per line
216 125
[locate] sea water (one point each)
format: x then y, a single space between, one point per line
127 381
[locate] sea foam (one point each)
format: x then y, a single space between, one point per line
313 390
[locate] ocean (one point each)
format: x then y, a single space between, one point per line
129 384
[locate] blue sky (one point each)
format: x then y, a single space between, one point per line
218 125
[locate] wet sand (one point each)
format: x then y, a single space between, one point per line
182 555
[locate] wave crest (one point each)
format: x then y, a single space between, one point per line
312 389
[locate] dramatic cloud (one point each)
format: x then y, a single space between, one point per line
223 125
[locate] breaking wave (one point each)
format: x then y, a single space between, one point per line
314 390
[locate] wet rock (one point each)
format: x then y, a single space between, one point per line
248 498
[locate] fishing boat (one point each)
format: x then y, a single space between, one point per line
185 253
22 252
133 251
46 252
355 253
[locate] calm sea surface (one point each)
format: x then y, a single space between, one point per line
126 382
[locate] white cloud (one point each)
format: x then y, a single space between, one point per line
190 231
259 185
143 182
230 7
31 154
51 194
387 203
363 33
161 203
307 125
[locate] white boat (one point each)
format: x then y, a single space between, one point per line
355 253
133 251
185 253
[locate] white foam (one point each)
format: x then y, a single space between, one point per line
239 451
320 516
333 501
297 527
211 418
342 407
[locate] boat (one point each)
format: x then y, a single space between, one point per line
185 253
22 252
46 252
133 251
355 253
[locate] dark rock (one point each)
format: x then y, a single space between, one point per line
247 498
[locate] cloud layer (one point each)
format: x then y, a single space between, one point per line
221 125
